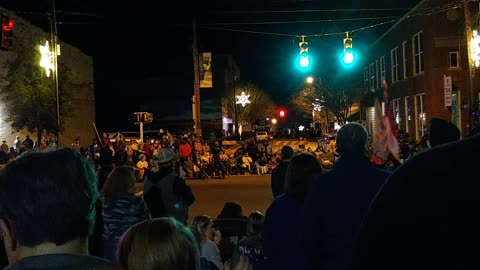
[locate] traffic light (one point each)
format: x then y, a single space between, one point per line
304 60
281 113
7 33
348 56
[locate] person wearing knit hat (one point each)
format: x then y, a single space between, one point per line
165 192
442 131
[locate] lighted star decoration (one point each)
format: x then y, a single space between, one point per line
47 61
475 48
243 99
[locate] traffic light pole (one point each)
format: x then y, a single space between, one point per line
196 84
143 117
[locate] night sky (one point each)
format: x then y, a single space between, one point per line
142 53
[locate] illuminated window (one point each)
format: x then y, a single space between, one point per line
408 117
420 117
396 112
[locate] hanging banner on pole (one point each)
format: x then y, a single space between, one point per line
205 60
447 88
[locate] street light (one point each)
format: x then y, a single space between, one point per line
309 79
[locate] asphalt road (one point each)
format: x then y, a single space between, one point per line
252 192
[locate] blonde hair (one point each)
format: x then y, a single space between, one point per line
199 227
255 224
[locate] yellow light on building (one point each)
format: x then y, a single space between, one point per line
47 59
475 48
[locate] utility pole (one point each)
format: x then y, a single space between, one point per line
196 84
56 53
471 69
234 77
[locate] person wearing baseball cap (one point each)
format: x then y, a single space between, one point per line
165 192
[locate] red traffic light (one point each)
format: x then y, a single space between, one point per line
281 113
7 24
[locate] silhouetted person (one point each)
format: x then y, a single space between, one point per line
278 174
338 200
426 214
47 211
441 132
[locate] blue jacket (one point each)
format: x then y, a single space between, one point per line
334 210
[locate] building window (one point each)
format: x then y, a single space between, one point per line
454 60
420 117
382 69
408 116
365 78
396 112
404 59
394 61
372 76
417 46
377 81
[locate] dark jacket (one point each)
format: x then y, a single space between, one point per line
61 262
171 195
281 234
426 215
334 209
278 178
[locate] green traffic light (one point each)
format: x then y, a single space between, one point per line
304 61
348 57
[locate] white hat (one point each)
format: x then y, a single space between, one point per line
165 155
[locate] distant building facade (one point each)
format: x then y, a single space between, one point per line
424 60
80 124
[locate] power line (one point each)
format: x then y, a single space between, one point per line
308 21
309 10
430 11
248 31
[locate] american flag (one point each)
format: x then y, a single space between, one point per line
385 140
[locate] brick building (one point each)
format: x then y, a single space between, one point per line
83 115
418 57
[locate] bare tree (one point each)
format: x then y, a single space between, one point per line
260 106
336 101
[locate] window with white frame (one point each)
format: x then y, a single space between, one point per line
372 76
394 61
404 59
420 116
396 112
382 69
453 57
365 78
408 116
377 77
417 47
